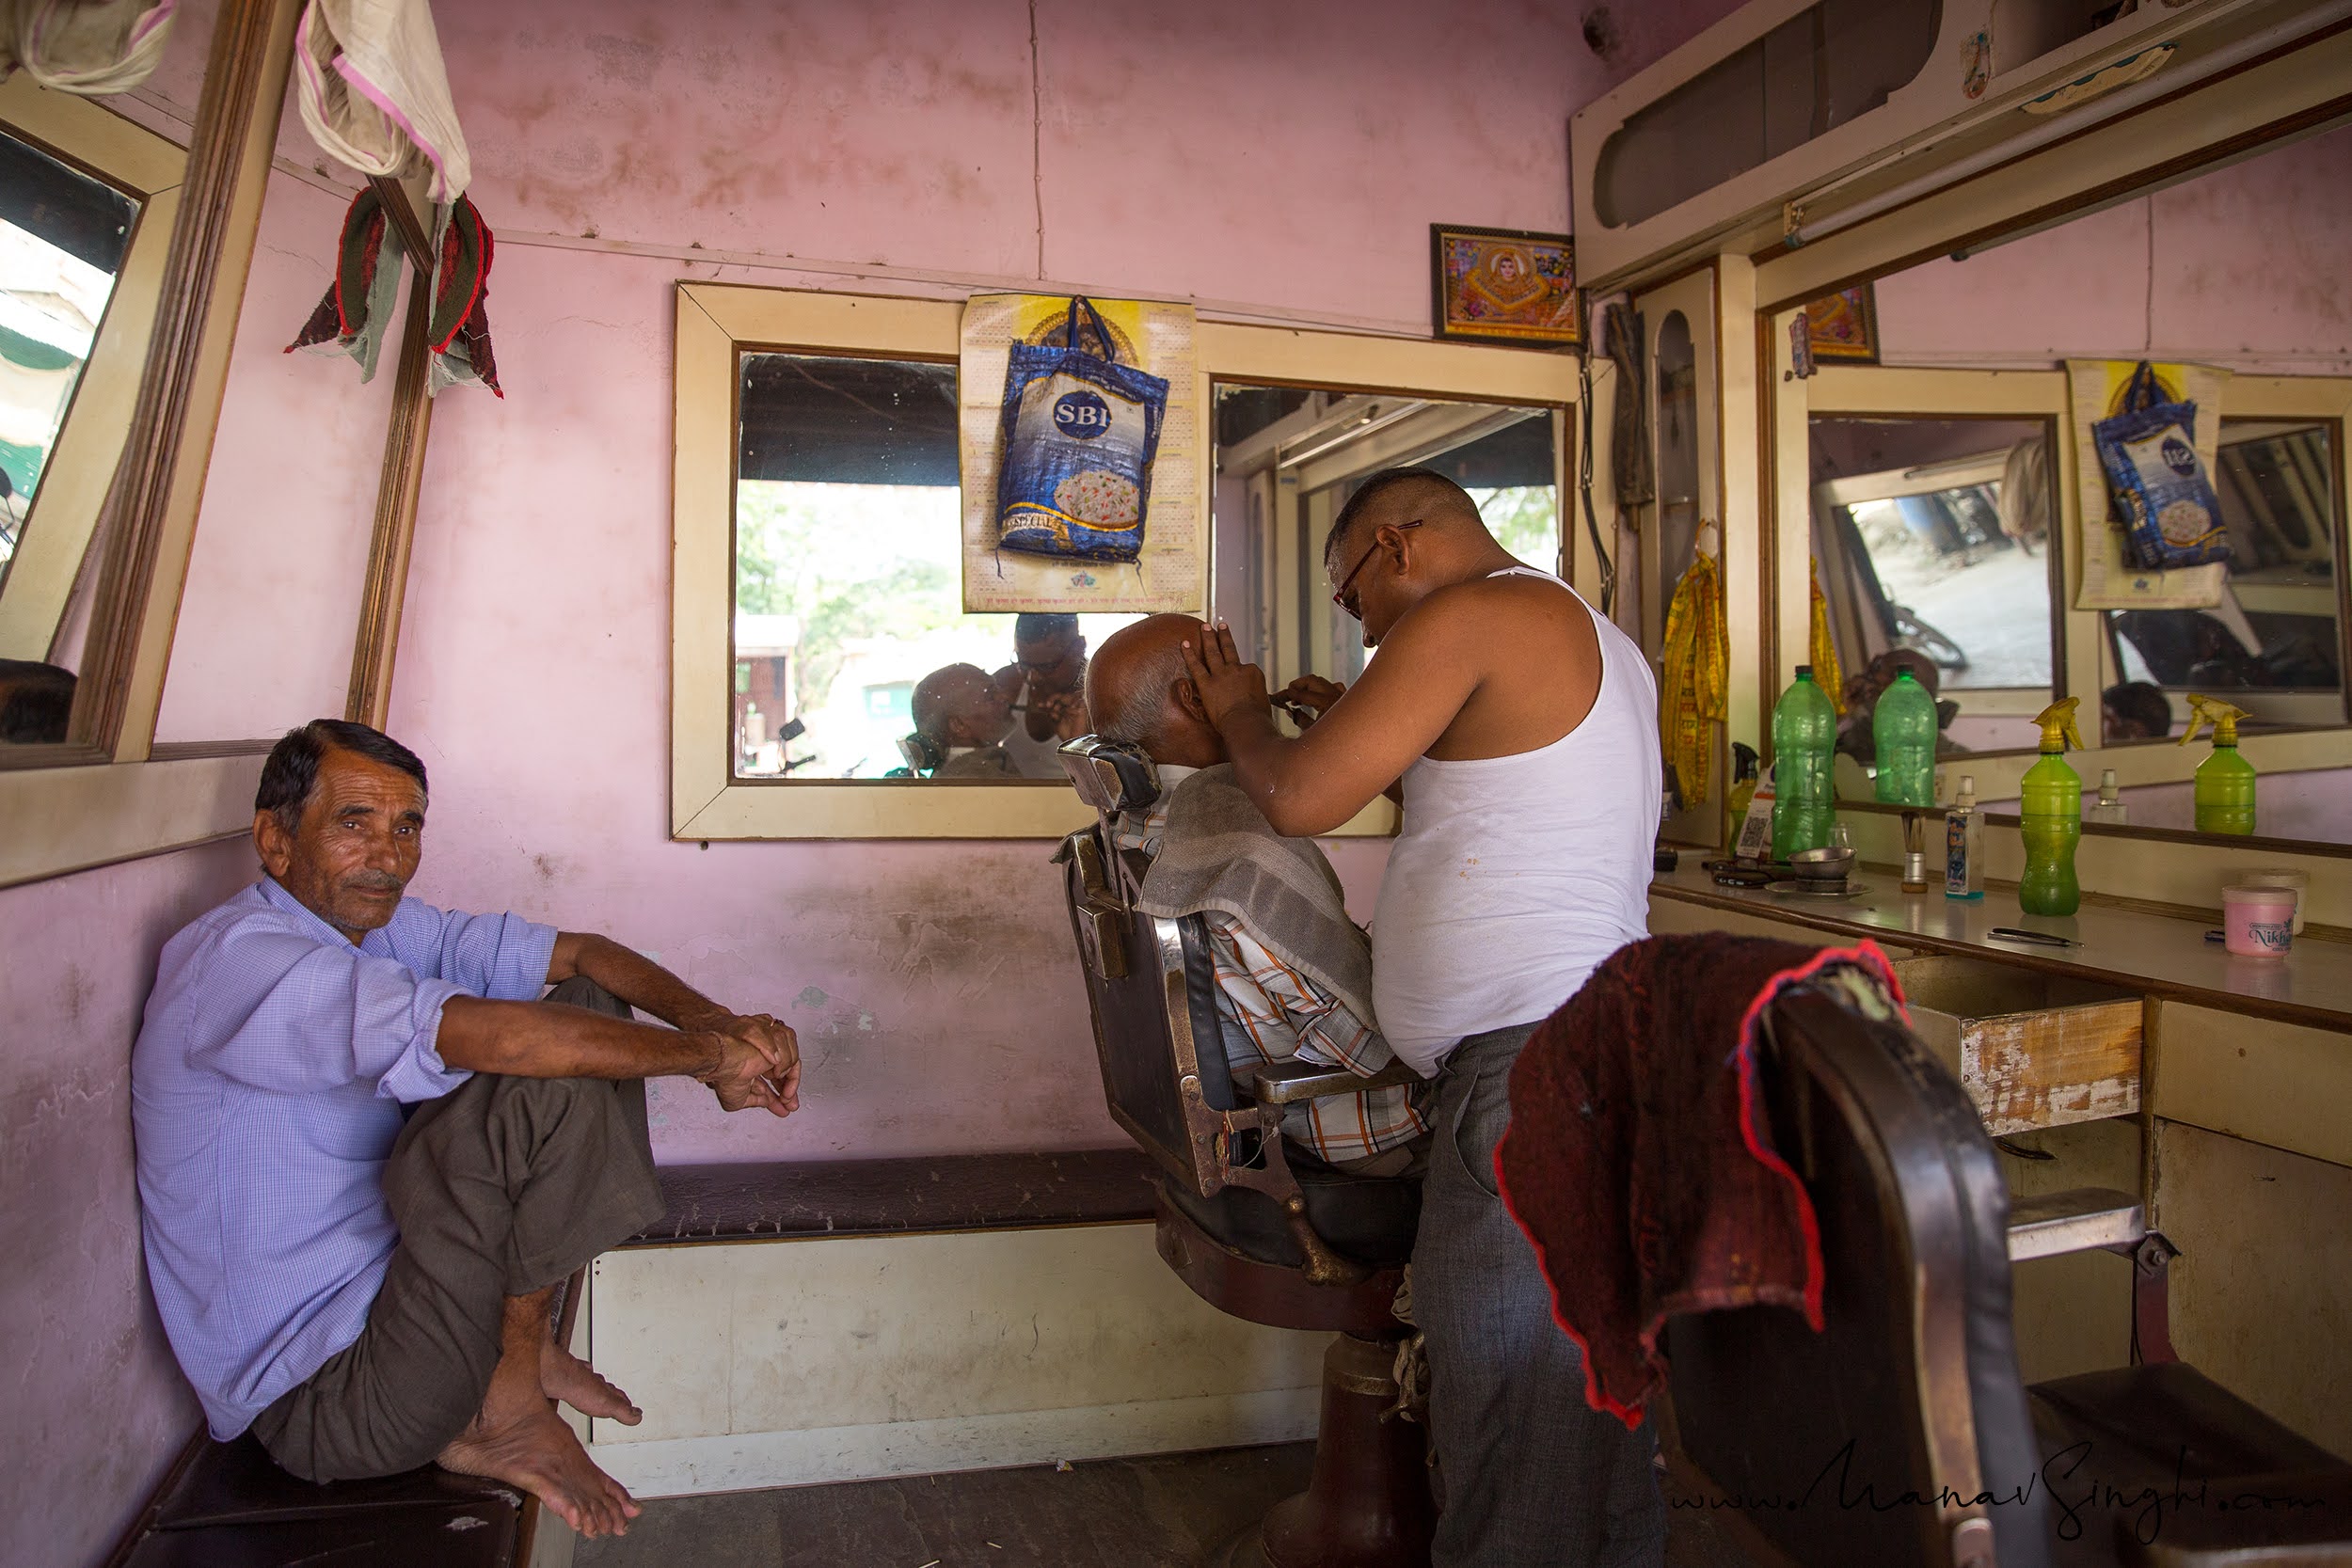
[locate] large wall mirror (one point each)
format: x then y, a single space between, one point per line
1945 484
86 204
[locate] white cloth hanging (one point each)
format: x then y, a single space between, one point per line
373 91
97 46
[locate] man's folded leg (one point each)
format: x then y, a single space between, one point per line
501 1189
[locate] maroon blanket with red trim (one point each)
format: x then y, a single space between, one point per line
1639 1160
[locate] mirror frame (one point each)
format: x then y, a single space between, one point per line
717 321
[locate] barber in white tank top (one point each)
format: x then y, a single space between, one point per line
1524 729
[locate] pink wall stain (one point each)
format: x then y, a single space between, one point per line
2242 268
96 1404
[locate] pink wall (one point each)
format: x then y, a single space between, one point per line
1273 159
282 545
95 1406
2242 267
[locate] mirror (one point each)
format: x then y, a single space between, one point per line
853 658
271 603
1926 542
1288 458
1931 543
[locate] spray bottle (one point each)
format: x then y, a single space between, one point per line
2051 812
1743 763
2225 781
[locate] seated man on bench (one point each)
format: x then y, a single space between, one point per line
1294 973
369 1293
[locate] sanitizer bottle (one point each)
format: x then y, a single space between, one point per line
2051 812
2225 781
1963 844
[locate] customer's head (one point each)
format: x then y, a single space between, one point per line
2134 710
960 706
1050 652
1137 692
339 821
1864 691
36 701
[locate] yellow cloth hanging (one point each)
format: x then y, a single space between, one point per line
1695 671
1823 651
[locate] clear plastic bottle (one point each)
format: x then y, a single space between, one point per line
2050 804
2109 807
1963 844
1902 730
2225 781
1805 738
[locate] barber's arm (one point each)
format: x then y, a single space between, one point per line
1393 713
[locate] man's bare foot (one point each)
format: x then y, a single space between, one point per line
535 1450
566 1377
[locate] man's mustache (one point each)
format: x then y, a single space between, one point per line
375 882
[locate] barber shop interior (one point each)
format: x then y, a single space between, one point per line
1315 783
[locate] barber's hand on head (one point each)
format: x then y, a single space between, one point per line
1065 710
1312 692
1225 684
759 1065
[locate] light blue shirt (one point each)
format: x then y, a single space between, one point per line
265 1092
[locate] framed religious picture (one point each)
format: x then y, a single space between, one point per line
1503 286
1844 327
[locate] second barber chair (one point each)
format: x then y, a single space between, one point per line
1252 1232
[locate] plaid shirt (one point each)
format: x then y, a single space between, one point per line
1270 1013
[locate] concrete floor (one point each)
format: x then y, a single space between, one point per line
1163 1511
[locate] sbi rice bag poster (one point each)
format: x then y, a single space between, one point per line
1081 536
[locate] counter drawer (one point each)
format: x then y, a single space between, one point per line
2032 1049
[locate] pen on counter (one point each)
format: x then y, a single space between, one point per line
2010 933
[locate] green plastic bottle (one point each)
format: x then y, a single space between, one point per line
2051 811
1902 732
2225 781
1805 739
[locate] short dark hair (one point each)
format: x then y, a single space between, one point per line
291 771
1043 628
1380 484
2142 702
35 702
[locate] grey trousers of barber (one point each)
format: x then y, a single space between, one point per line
501 1187
1532 1475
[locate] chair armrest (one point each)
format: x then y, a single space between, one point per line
2082 1220
1288 1082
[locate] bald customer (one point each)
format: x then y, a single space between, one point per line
964 713
1525 729
1294 973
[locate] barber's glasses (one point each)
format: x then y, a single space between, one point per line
1340 595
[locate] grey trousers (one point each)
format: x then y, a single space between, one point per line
1533 1476
501 1187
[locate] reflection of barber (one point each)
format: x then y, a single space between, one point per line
961 717
1047 678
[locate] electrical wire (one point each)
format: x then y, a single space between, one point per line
1584 477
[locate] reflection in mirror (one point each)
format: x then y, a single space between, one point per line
1287 461
63 235
853 658
1933 543
2271 646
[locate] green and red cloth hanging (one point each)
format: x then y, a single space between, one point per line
352 316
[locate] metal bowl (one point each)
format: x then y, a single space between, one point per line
1821 865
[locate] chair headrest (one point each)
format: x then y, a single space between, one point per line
1112 776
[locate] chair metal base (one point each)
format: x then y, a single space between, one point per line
1367 1505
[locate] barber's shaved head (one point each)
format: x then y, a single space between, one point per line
1402 496
1137 692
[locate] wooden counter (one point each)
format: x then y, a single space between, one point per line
2155 955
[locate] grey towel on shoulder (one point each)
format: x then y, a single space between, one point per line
1219 852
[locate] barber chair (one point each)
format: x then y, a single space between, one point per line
1901 1436
1254 1230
